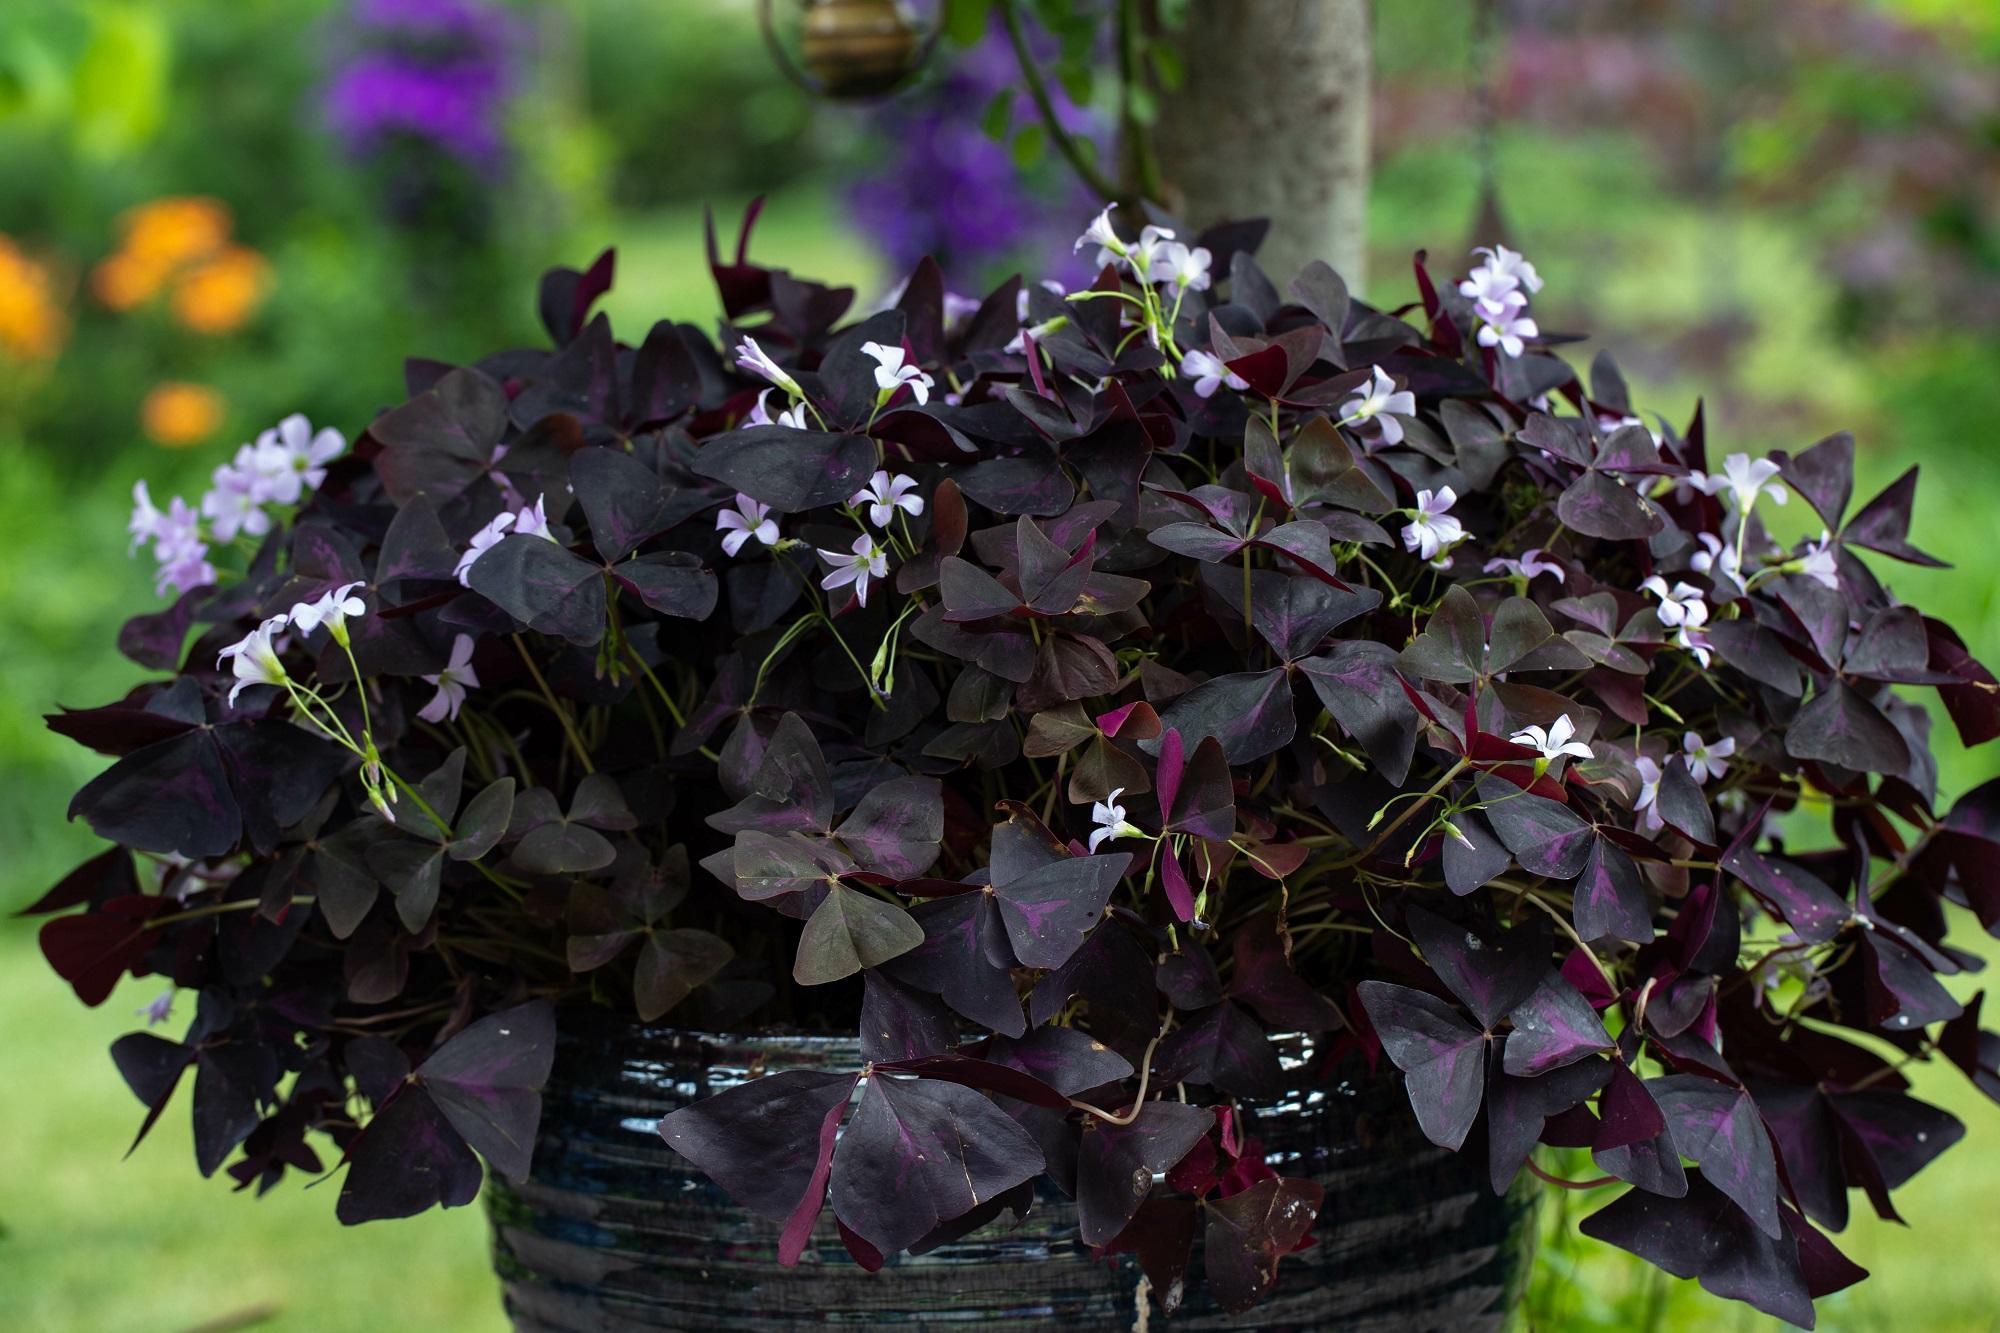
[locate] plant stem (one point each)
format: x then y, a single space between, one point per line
555 706
1031 74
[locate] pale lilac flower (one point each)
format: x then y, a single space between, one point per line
1145 253
958 307
1693 638
866 561
1209 373
1554 743
893 371
273 479
1187 269
1511 264
1647 807
144 524
1109 817
187 567
256 659
1487 283
232 504
531 521
452 683
1529 567
1818 563
1716 557
1707 759
307 451
483 541
331 610
1376 402
760 415
158 1009
1505 324
885 494
749 519
1744 478
751 357
1679 605
1100 232
1431 527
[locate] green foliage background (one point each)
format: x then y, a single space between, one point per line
638 113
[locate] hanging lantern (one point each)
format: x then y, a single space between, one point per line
851 49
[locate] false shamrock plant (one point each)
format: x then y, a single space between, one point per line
1083 698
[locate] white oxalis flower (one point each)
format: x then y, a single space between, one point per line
885 494
1381 402
1109 817
1553 743
1744 478
893 370
750 518
1431 527
1707 759
864 562
1209 373
256 659
452 683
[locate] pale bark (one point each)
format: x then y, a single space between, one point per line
1272 121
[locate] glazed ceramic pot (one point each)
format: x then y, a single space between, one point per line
614 1231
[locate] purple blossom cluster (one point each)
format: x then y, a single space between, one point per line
947 189
435 71
277 469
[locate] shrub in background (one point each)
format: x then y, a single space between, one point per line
1125 677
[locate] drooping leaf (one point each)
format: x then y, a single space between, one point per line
1546 837
543 585
768 1142
1553 1027
918 1153
1840 726
1443 1058
848 931
1113 1160
1490 970
1251 713
1356 682
790 470
1609 899
1248 1233
1704 1235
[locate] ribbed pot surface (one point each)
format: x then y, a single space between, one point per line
614 1231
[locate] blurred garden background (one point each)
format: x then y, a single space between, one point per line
216 212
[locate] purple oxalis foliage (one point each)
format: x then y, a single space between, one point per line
1069 697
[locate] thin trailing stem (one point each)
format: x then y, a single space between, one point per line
1038 90
555 706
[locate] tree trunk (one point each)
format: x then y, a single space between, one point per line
1271 121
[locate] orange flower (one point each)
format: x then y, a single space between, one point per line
125 280
156 239
223 292
178 414
31 325
174 230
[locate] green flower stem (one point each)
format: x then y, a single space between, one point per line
216 909
1031 74
555 705
1400 819
360 685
